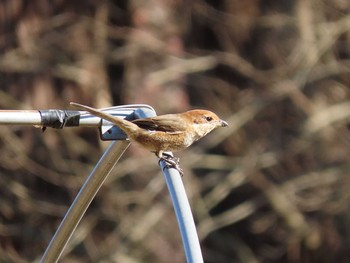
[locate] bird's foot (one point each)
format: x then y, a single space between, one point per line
172 162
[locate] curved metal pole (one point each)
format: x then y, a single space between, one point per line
83 200
183 214
99 174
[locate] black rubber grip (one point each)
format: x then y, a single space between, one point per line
59 119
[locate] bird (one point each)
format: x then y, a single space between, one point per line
164 133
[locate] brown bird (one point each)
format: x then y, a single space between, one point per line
164 133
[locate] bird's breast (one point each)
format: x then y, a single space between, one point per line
163 141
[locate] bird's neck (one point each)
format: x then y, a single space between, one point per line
200 130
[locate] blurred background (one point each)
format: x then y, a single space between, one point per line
273 187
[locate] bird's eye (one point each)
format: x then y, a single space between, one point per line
208 118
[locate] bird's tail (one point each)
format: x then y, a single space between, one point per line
127 126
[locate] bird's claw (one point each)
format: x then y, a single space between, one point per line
172 162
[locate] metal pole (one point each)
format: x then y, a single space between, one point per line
83 200
99 174
183 214
22 117
35 118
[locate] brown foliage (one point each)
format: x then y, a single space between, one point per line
271 188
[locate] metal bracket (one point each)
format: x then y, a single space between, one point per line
109 131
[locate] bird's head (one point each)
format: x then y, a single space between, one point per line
204 121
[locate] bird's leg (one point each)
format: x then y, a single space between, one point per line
171 158
172 162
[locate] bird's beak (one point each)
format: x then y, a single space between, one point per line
223 123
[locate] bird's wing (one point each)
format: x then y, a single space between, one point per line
167 123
